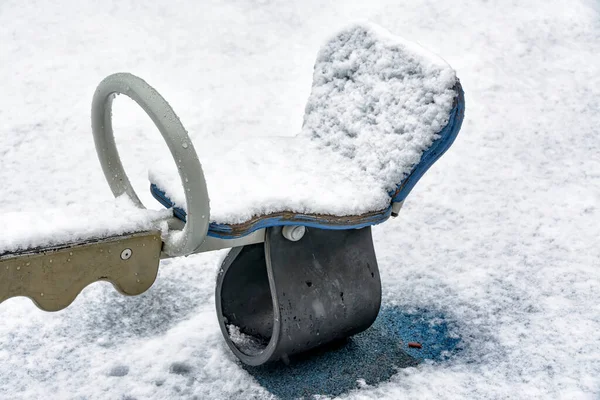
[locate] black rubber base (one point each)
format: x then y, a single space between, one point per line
281 298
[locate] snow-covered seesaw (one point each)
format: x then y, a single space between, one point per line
295 211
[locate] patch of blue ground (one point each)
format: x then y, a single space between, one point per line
374 355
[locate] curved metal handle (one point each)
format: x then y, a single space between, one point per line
177 243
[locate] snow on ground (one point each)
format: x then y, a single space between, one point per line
499 238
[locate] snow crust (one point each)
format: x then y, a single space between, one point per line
377 103
500 236
76 222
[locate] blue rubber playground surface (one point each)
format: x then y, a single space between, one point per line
371 357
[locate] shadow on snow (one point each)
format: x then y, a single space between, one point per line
373 356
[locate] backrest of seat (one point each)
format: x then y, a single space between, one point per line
379 100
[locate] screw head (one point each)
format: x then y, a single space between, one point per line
126 254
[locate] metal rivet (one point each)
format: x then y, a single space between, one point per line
126 254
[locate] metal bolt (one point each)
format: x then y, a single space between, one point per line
293 233
126 254
396 208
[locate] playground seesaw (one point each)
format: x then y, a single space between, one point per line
296 212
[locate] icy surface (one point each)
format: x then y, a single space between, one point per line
377 103
76 222
500 236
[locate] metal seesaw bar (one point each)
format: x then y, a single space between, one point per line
53 276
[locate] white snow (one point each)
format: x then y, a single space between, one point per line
246 343
25 230
501 235
377 103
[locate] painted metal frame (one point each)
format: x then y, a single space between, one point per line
53 276
177 243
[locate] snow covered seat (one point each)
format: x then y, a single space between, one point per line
381 112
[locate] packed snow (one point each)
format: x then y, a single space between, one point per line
500 237
246 343
377 103
31 229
